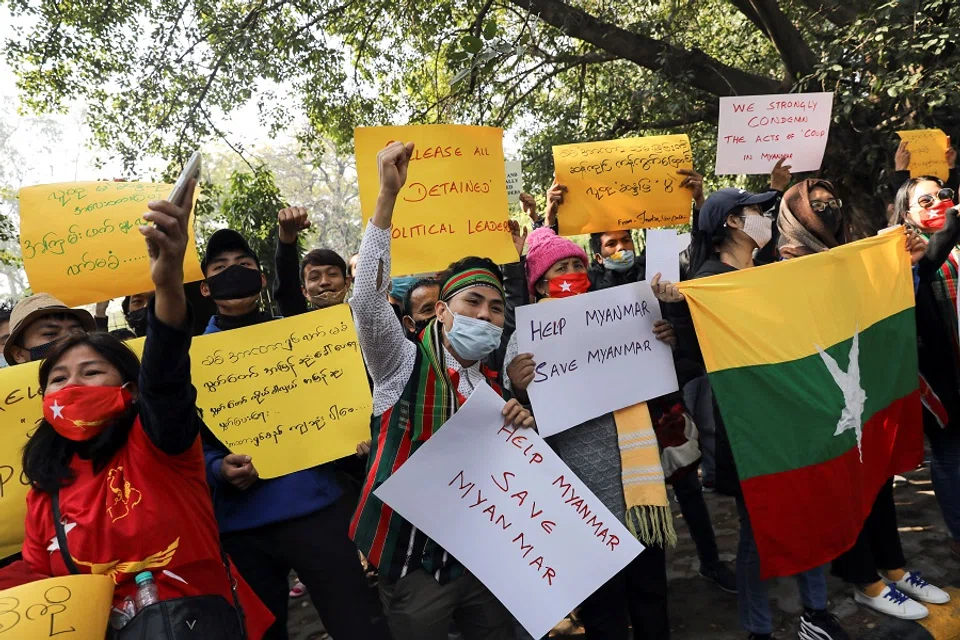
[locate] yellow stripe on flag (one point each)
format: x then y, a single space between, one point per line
784 311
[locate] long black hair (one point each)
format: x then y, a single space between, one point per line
47 455
901 204
705 244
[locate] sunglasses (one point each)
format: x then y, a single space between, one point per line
926 200
820 206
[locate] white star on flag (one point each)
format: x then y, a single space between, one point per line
854 396
57 409
566 286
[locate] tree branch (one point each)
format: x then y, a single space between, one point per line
796 54
838 12
695 67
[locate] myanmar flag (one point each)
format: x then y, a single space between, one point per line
813 363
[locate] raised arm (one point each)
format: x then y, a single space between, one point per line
286 289
168 407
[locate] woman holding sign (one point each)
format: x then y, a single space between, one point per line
116 465
602 452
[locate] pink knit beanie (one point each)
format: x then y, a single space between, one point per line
544 248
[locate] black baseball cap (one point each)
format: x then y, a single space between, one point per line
226 240
721 203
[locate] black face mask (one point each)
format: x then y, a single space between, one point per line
40 352
420 325
137 320
235 283
831 219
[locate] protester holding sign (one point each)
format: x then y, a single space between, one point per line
731 229
116 463
297 521
417 387
615 456
926 205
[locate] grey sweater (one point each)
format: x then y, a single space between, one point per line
590 450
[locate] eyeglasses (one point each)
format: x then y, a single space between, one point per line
926 200
820 206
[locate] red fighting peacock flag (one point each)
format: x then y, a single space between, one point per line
813 363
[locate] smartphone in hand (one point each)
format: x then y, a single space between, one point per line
190 171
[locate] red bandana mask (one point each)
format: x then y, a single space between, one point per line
571 284
934 217
81 412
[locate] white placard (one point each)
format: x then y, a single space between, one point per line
663 249
756 131
514 171
505 505
595 353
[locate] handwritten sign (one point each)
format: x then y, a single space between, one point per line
75 607
80 240
928 152
514 171
595 353
756 131
505 505
20 411
663 249
623 184
454 203
291 394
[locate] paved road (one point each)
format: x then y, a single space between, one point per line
700 611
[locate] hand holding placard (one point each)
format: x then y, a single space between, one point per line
926 152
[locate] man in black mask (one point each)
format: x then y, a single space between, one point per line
420 306
135 312
37 323
294 522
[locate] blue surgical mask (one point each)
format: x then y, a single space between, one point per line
473 339
622 262
3 363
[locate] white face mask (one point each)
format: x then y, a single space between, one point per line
759 228
473 339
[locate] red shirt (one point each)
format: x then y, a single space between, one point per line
145 511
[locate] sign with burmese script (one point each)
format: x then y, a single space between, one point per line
20 412
454 203
623 184
928 152
504 504
80 241
75 607
755 132
291 394
594 353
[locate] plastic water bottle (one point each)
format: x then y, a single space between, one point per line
146 591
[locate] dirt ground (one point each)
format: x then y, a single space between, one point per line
700 611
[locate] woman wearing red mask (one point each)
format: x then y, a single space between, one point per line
557 268
117 455
925 204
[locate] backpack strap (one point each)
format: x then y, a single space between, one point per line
62 534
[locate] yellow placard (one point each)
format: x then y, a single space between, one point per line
454 203
80 240
75 607
291 393
623 184
928 152
20 411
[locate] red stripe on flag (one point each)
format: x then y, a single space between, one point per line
807 517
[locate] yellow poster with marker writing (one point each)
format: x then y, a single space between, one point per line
928 152
75 607
454 203
623 184
291 394
20 411
80 240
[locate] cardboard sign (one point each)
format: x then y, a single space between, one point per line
81 243
595 353
454 203
928 152
663 249
505 505
514 171
75 607
623 184
291 394
755 132
20 412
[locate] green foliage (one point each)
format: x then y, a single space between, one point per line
250 206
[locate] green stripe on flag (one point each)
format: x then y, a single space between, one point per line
783 416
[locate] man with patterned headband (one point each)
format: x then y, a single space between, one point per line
417 387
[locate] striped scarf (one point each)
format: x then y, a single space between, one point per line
648 510
945 291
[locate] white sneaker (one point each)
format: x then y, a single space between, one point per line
893 603
916 587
